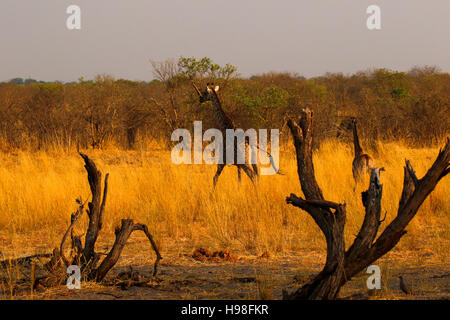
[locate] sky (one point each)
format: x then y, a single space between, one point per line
310 38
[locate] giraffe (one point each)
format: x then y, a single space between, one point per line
225 122
362 162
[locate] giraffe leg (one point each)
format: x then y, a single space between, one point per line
249 172
256 170
355 177
239 174
218 172
253 160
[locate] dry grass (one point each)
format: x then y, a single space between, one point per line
37 192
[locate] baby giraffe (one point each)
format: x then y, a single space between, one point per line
362 163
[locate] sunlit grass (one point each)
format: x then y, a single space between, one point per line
37 192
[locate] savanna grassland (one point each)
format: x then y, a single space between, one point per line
38 190
125 127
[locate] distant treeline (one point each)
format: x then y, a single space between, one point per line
409 106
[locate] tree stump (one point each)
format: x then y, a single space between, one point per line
86 257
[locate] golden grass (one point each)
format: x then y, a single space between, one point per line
37 193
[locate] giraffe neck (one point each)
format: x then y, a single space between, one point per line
358 149
225 121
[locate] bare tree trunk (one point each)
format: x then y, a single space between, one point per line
341 266
95 211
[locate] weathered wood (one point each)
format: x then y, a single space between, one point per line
73 220
409 205
122 235
95 212
341 266
12 262
55 261
144 228
86 257
303 147
409 184
326 284
96 208
369 229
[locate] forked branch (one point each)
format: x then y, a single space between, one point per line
341 266
73 220
122 234
89 258
96 208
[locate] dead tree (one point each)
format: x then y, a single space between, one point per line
342 265
86 257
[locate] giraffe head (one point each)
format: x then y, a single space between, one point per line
207 94
346 125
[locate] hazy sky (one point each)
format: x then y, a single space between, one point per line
118 37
